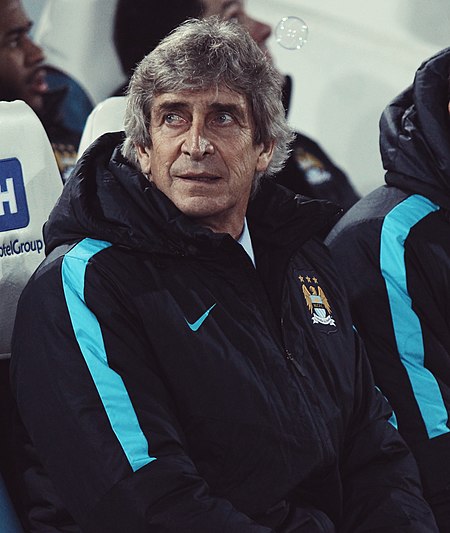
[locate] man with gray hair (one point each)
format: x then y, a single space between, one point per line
184 359
139 25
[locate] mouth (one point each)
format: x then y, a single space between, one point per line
198 177
38 82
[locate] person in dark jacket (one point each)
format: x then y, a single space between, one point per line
392 249
141 24
184 359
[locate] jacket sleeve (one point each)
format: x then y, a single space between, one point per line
100 418
382 490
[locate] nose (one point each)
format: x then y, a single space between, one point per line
33 52
259 31
196 145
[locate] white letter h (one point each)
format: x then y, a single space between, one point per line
8 196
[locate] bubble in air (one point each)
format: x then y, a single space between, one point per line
291 33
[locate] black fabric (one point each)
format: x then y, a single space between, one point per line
415 146
262 416
6 443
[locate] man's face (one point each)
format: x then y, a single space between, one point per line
234 10
203 156
21 75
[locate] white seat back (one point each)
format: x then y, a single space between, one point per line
30 184
77 38
105 117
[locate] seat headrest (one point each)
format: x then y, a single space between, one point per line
30 184
107 116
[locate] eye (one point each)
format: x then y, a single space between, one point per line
224 119
172 119
14 42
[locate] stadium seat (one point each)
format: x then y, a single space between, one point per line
106 116
30 184
77 40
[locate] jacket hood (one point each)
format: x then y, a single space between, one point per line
415 134
106 198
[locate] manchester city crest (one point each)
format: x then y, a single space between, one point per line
316 301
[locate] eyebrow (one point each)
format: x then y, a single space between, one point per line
167 106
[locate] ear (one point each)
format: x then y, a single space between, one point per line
265 156
144 156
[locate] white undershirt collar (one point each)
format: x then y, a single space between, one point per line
246 242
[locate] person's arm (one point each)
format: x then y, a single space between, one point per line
99 415
382 490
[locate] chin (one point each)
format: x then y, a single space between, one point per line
199 207
197 213
35 102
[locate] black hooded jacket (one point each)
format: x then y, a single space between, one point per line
393 251
168 385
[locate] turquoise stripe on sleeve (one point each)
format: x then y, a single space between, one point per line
110 385
407 327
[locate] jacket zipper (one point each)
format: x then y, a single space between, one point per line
320 427
294 362
297 369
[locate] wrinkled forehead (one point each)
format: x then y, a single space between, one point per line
213 88
216 97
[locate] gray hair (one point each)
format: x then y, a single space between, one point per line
201 54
